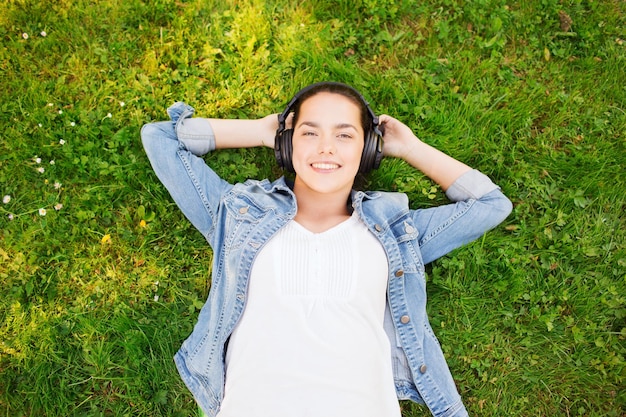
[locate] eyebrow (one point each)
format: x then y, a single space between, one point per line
337 126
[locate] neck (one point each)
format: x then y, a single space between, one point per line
320 212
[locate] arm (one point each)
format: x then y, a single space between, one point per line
401 142
202 135
194 187
174 149
479 203
244 133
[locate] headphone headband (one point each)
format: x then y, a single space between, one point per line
283 116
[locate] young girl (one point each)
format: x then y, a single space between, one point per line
318 302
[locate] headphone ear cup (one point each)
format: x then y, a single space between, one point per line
283 149
378 151
372 152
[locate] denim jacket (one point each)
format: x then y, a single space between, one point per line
238 219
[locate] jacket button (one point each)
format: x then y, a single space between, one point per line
423 369
399 273
378 227
405 319
243 210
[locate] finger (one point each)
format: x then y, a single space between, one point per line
289 121
384 118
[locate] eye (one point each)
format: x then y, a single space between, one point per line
344 136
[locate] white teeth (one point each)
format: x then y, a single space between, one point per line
325 166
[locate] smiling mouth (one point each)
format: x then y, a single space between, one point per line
324 165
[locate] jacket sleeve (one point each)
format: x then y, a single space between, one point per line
174 149
478 206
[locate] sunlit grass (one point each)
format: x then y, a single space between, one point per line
102 277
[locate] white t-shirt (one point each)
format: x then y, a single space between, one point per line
311 342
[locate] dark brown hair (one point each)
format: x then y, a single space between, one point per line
336 88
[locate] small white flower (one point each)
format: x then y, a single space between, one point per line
43 33
6 199
39 125
60 111
157 283
156 297
122 104
52 162
50 104
41 170
72 124
42 211
61 142
38 160
58 206
10 216
109 115
57 185
25 35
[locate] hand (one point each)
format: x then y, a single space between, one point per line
267 129
269 126
399 138
401 142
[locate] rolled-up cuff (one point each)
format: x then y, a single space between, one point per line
196 134
471 185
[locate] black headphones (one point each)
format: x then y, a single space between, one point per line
283 146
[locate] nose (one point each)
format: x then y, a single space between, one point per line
326 144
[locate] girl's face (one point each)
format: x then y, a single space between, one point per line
328 141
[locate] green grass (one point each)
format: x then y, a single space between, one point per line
98 295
